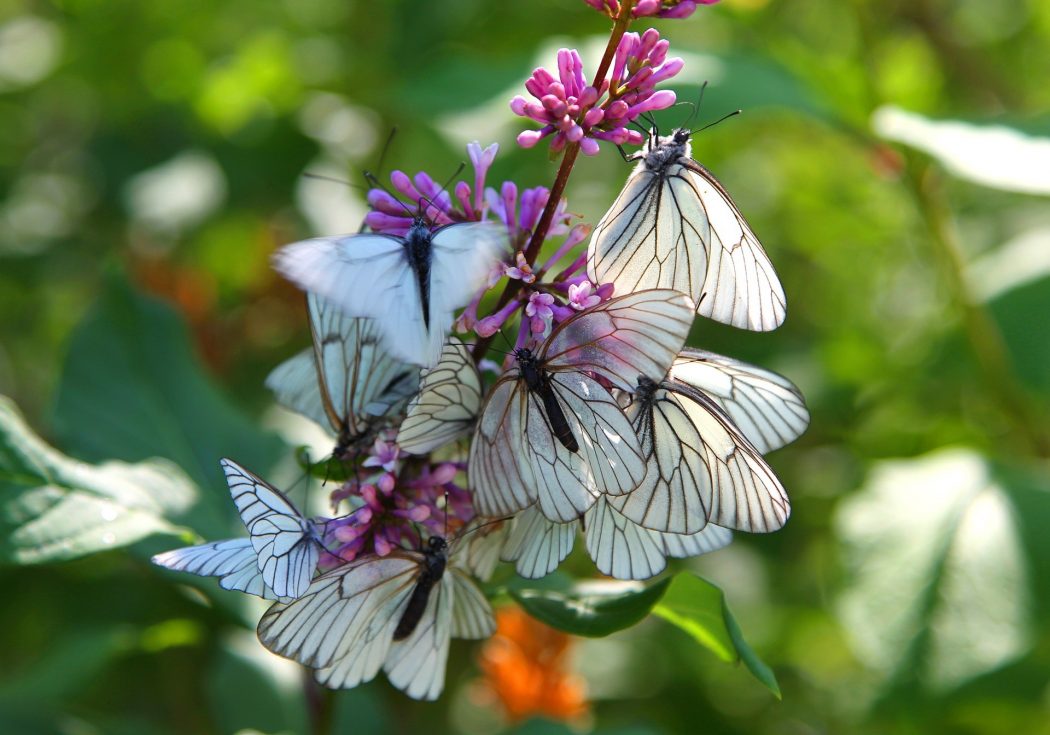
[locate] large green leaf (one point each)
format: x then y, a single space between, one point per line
132 388
54 508
699 608
589 611
938 588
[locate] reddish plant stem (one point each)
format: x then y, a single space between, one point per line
572 150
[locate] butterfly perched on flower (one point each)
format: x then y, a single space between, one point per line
396 612
410 285
675 226
280 555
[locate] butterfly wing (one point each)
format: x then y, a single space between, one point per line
765 406
622 549
343 625
705 469
233 561
471 613
282 538
636 334
501 482
536 545
741 287
447 403
641 242
416 665
294 385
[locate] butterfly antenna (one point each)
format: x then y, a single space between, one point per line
442 190
734 113
483 525
375 182
333 179
386 148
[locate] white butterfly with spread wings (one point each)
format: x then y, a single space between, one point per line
447 404
276 561
675 226
410 285
396 613
552 434
346 380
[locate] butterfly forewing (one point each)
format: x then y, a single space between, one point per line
765 406
233 561
284 541
447 403
537 545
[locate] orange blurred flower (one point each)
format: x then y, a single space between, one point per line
526 667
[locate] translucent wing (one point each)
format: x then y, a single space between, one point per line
234 562
741 286
483 549
343 625
765 406
622 549
348 380
284 541
675 226
701 468
536 545
502 484
620 339
447 403
471 613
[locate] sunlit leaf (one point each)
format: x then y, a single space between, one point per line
699 608
937 576
54 508
591 611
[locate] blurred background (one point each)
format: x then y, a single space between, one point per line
894 157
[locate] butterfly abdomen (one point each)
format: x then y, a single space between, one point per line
539 384
418 247
429 576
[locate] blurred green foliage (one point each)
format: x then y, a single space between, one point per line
163 144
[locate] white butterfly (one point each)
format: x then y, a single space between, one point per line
395 613
701 468
287 545
447 403
278 558
346 381
675 226
234 561
550 433
410 285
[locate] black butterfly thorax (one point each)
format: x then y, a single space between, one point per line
419 251
538 382
435 557
645 420
667 151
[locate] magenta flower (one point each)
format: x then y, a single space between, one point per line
384 454
581 297
522 271
540 312
661 8
575 112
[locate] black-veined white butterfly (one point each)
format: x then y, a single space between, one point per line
410 285
550 433
346 380
395 613
675 226
447 403
701 468
279 557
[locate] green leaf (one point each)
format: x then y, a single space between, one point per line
589 612
132 388
54 508
935 563
699 608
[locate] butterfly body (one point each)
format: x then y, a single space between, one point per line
538 383
433 569
418 251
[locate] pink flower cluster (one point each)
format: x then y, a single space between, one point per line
391 510
575 112
661 8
